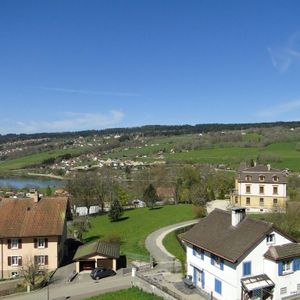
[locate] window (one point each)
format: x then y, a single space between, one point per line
248 189
275 201
248 178
283 291
14 244
198 252
218 286
261 189
275 190
275 178
270 238
41 243
236 200
217 261
14 274
247 268
41 260
247 201
298 287
261 178
261 201
14 260
286 266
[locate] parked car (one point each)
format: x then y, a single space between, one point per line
101 272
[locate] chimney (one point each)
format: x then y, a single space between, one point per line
237 215
35 195
269 167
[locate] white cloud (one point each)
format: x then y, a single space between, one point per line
87 92
71 121
280 109
284 57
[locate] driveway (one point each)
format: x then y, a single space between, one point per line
82 287
154 245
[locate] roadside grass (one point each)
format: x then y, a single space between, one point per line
136 225
129 294
173 246
34 159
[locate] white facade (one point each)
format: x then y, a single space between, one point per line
210 277
268 189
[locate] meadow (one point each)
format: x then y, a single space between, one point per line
136 225
129 294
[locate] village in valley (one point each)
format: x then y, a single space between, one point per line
149 150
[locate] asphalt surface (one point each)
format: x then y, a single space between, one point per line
154 245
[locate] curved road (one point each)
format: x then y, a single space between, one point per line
156 248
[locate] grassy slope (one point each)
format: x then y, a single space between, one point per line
139 224
34 159
129 294
172 245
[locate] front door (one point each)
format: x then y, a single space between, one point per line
199 278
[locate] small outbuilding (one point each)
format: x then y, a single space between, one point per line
97 254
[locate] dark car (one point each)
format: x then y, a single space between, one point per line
102 272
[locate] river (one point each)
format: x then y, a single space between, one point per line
20 183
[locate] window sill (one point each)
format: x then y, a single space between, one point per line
287 273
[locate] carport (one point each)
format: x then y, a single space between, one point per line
96 254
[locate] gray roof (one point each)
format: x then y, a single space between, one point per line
283 251
215 234
258 170
98 248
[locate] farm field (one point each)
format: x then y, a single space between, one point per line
129 294
136 225
34 159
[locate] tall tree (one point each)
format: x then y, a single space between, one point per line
116 210
150 196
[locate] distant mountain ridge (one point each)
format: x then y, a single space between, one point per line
151 130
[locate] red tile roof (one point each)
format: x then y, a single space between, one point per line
25 218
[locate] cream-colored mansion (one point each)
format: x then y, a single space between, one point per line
260 189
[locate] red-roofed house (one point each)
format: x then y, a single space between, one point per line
32 229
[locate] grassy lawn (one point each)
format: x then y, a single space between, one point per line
136 225
129 294
31 160
172 245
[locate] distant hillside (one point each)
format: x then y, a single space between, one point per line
151 130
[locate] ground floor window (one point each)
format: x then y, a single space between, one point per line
283 291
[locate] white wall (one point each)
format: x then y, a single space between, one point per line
231 275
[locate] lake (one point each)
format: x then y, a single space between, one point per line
20 183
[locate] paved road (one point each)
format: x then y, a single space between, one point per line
156 248
81 288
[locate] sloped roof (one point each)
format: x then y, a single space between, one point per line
98 247
258 170
215 234
283 251
25 218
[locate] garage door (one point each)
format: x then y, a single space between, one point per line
86 265
105 262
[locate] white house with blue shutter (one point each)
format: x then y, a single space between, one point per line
234 257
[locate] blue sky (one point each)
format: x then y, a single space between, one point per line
76 65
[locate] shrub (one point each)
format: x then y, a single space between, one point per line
199 211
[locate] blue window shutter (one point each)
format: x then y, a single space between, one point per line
202 254
280 268
218 286
247 268
212 258
195 276
296 264
194 250
222 264
203 280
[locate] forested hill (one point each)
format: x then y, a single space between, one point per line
151 130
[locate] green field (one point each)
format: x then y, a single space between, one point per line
129 294
35 159
136 226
